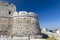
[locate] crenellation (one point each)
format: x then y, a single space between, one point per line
6 8
15 14
27 14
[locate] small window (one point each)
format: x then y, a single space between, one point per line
9 12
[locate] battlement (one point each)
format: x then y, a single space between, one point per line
6 4
6 9
24 13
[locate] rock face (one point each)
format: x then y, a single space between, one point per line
18 24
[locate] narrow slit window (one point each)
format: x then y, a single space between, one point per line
9 12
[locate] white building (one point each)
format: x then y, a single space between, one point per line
58 31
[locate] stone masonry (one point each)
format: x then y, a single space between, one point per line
17 23
25 24
6 11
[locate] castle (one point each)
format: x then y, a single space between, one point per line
20 25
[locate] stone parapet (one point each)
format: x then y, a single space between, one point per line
6 9
24 14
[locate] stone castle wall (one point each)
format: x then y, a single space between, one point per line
18 24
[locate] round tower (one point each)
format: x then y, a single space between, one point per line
25 24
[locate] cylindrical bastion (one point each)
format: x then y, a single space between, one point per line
25 24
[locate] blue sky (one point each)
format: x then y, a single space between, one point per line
47 10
